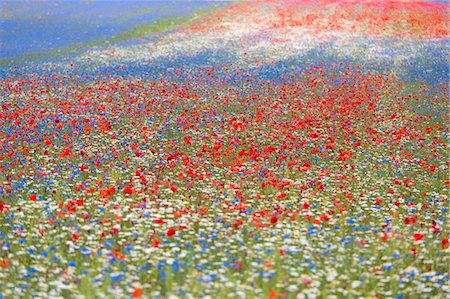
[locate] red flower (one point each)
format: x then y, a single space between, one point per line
171 232
269 149
444 243
79 187
65 152
274 219
128 191
272 294
409 182
281 196
305 166
111 191
4 263
138 292
418 237
324 217
33 197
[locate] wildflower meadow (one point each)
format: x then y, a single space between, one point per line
249 149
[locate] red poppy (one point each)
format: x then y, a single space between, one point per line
281 196
418 237
128 190
4 263
137 293
170 232
272 294
444 243
155 243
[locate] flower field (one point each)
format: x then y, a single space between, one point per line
262 149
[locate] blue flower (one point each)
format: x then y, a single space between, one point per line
163 275
116 277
